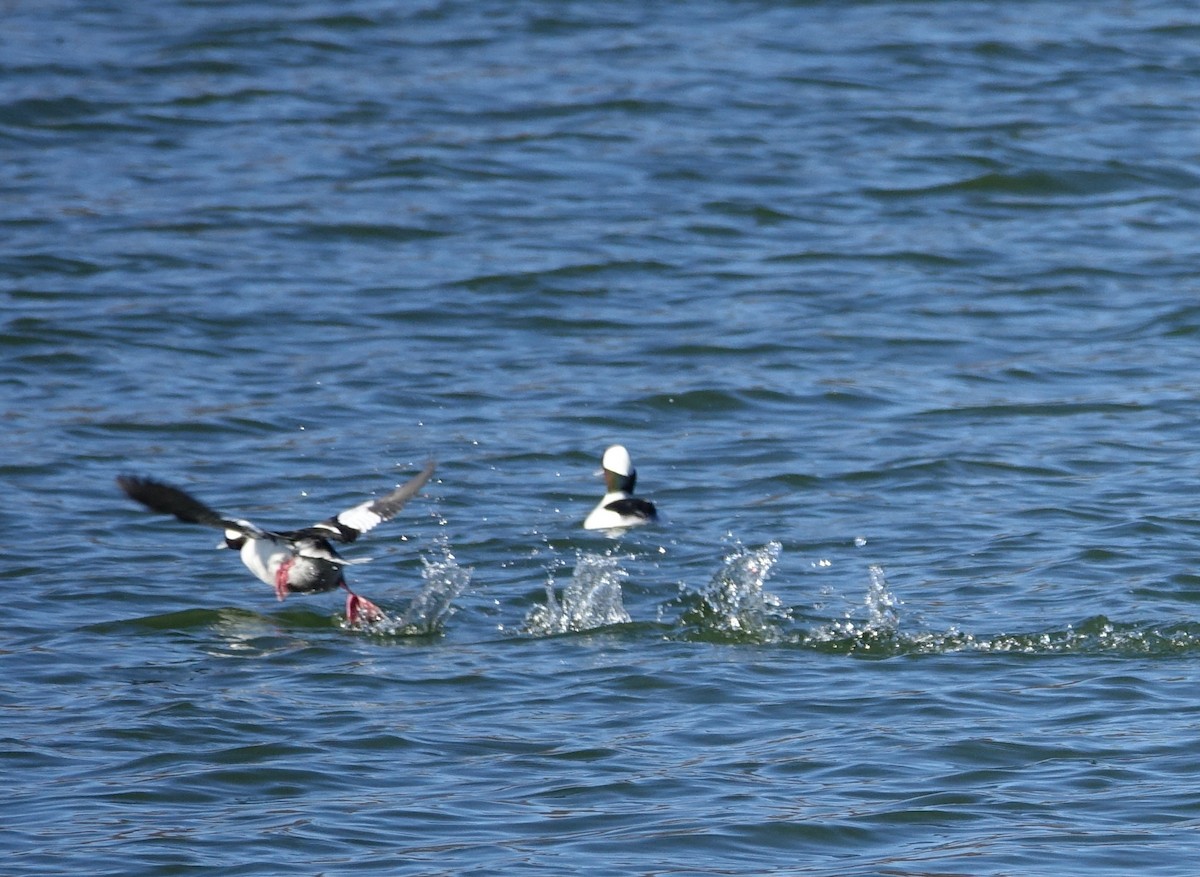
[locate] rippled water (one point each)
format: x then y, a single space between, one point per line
891 302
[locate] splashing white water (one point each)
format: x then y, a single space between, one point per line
880 621
883 612
443 580
734 603
592 599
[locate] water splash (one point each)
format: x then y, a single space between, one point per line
443 580
875 629
883 611
734 604
592 599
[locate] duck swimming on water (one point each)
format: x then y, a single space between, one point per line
294 561
619 508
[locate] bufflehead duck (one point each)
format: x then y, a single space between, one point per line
294 561
619 508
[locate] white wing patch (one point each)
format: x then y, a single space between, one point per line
360 518
368 515
248 529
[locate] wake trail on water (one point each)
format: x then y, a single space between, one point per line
734 606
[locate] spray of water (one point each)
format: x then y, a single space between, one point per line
734 604
873 626
592 599
442 581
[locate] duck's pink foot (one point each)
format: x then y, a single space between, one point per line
281 579
360 610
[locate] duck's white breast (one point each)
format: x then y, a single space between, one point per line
263 557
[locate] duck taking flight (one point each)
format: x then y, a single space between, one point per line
294 561
619 508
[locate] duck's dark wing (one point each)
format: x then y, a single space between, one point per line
168 500
634 507
349 525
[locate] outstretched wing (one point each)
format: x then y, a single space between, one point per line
349 525
168 500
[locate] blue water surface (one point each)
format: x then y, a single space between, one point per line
893 304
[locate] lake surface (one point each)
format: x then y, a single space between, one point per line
893 303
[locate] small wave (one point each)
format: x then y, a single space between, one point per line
707 400
365 232
592 599
180 620
1041 183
